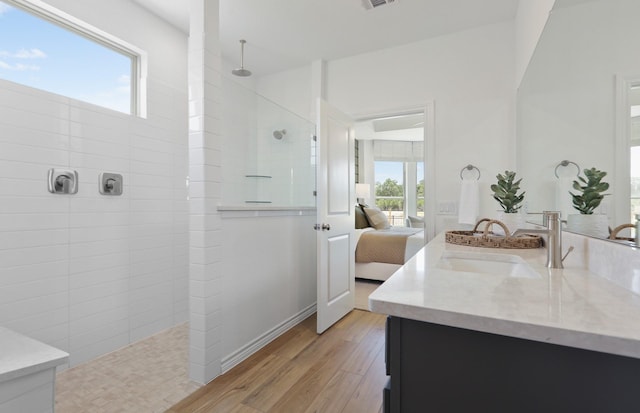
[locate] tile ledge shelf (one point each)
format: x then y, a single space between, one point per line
261 210
27 373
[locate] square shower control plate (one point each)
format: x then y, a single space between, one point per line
110 183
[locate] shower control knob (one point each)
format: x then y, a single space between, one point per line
109 185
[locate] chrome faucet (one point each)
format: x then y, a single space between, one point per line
550 219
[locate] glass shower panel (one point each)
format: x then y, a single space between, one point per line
268 152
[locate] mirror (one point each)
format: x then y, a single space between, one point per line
576 103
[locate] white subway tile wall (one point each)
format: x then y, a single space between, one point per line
89 273
204 192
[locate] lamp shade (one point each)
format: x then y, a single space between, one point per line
363 190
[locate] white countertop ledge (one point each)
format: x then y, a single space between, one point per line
21 355
571 307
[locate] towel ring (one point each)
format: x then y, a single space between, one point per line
469 168
566 163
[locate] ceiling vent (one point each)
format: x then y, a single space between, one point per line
372 4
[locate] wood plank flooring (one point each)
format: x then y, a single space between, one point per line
341 370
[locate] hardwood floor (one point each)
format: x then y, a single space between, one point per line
341 370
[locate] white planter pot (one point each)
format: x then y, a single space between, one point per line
595 225
512 221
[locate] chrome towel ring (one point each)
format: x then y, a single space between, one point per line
470 168
566 163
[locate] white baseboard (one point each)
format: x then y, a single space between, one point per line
243 353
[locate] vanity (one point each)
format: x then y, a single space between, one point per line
494 330
27 373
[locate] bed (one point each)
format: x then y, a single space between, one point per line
382 249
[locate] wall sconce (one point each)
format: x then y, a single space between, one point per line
363 191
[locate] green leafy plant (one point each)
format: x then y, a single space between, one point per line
505 192
591 189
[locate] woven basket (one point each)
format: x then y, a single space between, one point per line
614 233
488 239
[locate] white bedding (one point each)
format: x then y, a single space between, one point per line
381 271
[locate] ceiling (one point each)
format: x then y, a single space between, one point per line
283 34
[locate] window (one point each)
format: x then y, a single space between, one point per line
395 193
399 177
420 189
46 49
389 178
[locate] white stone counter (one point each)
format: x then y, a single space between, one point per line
21 355
27 373
571 307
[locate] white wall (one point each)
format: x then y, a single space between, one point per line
270 276
205 229
531 17
268 258
89 273
468 75
291 89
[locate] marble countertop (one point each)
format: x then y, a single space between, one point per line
21 355
571 307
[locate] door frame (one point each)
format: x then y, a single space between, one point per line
621 177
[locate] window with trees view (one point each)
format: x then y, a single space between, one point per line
396 193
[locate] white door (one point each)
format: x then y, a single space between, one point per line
335 215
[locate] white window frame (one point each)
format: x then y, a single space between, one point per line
139 59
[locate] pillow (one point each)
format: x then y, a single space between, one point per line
415 222
361 218
377 218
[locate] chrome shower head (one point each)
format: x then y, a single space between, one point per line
279 134
241 71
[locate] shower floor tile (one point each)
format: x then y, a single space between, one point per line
150 375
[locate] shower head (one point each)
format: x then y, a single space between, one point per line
278 134
241 71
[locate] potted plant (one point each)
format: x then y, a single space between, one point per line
589 195
505 191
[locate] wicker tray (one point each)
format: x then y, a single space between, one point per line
488 239
614 234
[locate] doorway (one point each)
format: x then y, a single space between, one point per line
394 159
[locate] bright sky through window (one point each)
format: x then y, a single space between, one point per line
40 54
387 169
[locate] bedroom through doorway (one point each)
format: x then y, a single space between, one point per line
392 212
390 161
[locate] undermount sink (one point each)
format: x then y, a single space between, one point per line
486 263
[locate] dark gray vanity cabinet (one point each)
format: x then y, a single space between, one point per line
440 369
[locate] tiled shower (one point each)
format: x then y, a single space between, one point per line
90 273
